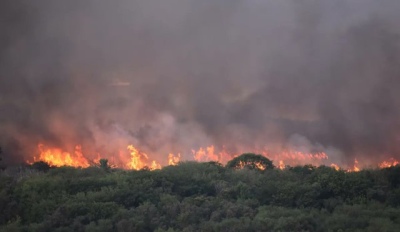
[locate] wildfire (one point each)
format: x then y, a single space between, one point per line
154 165
134 158
208 154
335 166
281 165
57 157
260 166
139 160
204 155
355 167
389 163
244 164
173 160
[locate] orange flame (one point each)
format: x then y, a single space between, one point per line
243 164
173 160
259 166
335 166
281 165
205 155
139 160
154 165
355 167
135 159
57 157
389 163
208 154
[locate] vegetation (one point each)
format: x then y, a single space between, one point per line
1 158
250 161
199 197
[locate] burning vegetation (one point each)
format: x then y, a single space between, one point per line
135 159
140 115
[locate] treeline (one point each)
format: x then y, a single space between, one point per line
199 197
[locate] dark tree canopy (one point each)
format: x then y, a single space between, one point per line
41 166
195 196
250 161
104 164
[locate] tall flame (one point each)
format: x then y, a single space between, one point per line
355 167
281 165
173 160
139 160
57 157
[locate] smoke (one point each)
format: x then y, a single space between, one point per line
170 76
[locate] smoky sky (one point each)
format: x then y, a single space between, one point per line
171 76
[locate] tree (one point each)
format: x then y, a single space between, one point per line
250 161
104 164
41 166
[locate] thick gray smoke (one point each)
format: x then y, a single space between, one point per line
171 76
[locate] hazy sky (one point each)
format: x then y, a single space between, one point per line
171 76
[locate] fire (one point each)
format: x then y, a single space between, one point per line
355 167
244 164
57 157
335 166
293 158
134 158
208 154
389 163
154 165
204 155
173 160
260 166
281 165
139 160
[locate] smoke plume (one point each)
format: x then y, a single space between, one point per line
171 76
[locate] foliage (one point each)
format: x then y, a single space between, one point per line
41 166
104 164
250 161
1 158
201 197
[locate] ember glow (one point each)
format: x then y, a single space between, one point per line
281 165
335 166
355 167
389 163
244 164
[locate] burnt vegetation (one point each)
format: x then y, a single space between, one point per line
194 196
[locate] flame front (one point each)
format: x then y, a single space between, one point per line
389 163
134 158
57 157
